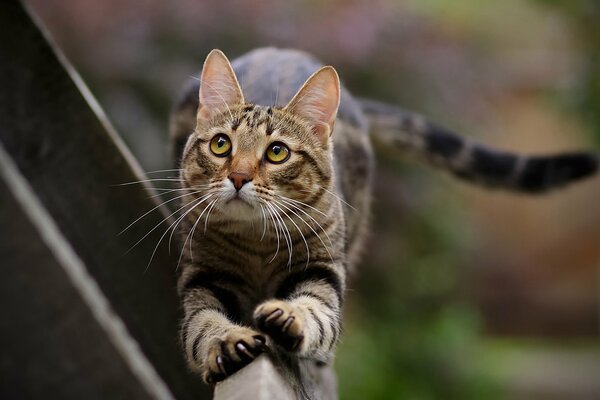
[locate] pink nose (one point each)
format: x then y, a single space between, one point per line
239 179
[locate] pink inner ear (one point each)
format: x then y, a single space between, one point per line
318 100
219 88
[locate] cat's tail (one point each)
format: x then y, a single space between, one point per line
474 162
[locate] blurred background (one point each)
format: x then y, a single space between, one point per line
465 293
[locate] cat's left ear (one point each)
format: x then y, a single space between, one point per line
317 101
219 87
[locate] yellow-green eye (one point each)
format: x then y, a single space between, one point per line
277 153
220 145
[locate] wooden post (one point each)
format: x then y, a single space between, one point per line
264 379
258 381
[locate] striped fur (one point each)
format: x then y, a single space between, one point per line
271 276
474 162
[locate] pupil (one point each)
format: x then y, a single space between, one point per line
276 150
221 142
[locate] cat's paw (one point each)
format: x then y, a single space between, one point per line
236 349
281 321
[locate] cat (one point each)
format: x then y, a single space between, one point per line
277 180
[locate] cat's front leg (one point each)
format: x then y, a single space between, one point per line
223 347
215 346
305 317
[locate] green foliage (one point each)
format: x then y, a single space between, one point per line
427 356
409 335
584 16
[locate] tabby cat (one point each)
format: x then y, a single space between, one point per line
277 181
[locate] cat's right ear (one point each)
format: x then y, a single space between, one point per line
219 87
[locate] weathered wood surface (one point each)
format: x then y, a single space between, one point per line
264 379
60 215
258 381
53 344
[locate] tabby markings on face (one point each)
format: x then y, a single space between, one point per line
251 155
270 261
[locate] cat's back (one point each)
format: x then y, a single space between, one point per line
271 76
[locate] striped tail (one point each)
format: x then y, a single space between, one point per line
473 162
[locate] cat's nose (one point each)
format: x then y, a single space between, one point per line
239 179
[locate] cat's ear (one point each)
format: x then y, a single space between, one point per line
318 101
219 87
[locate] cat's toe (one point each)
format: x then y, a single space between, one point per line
233 352
281 322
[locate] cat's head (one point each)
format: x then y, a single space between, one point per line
248 158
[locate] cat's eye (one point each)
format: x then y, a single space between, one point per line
220 145
277 153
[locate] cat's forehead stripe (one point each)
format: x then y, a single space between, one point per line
236 124
269 129
256 116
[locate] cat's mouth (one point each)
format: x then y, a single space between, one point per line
239 205
238 208
238 196
237 199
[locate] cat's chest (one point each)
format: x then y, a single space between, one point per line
258 274
258 264
260 280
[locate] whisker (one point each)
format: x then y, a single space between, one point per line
154 208
176 222
334 195
192 233
285 199
310 227
287 236
163 170
276 204
148 180
262 208
159 224
340 199
195 223
276 230
286 233
197 187
165 191
277 89
204 198
208 214
302 203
